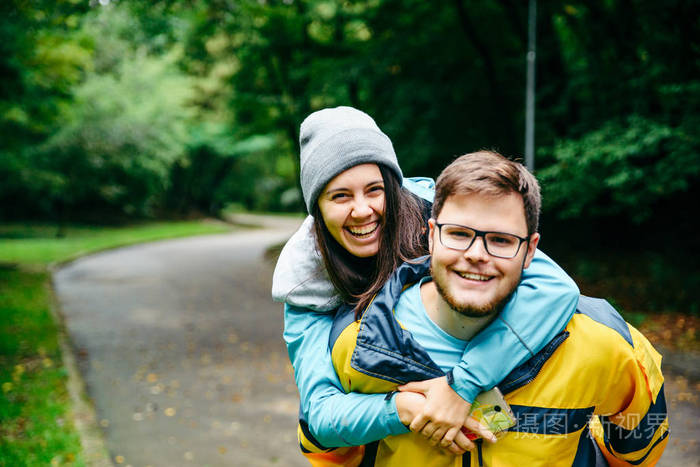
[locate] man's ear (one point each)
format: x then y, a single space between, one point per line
531 247
431 233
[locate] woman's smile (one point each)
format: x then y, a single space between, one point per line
363 231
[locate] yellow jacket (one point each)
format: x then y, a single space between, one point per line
592 396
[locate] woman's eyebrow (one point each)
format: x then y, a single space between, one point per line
333 190
342 188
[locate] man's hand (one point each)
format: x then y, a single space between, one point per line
443 416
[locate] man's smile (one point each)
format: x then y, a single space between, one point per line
474 276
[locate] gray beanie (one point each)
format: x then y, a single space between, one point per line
334 140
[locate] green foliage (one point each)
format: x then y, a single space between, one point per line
218 168
639 280
188 106
120 137
41 59
122 133
624 168
405 63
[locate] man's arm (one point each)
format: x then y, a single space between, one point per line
633 426
334 418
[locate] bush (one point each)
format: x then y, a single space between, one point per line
624 168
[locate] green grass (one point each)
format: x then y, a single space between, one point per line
35 425
36 428
38 244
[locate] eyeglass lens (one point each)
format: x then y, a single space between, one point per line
497 244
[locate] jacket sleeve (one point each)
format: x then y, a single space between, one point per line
633 426
330 417
539 309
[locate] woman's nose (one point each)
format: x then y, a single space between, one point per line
361 208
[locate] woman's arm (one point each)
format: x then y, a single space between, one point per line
334 418
539 309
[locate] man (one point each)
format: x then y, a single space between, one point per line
594 393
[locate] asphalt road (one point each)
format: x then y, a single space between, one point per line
180 347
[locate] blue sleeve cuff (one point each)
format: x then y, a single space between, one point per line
463 383
393 422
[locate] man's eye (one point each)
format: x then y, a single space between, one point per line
459 234
502 240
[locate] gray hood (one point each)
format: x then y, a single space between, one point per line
300 278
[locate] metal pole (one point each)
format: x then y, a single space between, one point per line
530 88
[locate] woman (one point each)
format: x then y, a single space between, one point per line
364 225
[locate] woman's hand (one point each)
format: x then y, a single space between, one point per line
411 404
443 415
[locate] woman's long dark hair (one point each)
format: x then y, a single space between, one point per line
402 239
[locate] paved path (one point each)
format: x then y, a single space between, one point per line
180 347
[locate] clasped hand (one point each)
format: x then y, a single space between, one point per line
433 409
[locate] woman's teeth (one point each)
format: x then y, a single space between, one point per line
363 231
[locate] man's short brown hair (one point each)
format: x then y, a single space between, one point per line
489 173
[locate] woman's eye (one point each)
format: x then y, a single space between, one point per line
338 196
376 189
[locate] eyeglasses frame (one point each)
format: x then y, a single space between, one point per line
482 234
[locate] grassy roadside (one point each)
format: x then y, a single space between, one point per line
36 426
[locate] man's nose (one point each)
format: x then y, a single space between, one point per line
477 250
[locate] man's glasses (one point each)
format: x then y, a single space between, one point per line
498 244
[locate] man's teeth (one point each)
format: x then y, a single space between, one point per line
363 230
472 276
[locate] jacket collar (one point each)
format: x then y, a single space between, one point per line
384 350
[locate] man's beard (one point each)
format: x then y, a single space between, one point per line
491 308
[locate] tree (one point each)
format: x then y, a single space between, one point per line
41 58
